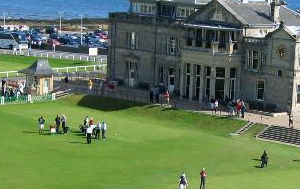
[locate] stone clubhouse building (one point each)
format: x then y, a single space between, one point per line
210 49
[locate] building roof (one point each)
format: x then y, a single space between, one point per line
259 13
192 2
39 68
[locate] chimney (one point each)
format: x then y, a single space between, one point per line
275 11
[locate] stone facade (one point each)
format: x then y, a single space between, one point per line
215 51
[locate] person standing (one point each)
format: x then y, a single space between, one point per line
203 177
3 85
243 109
41 122
90 86
103 130
57 122
63 124
98 129
264 159
182 182
216 105
167 97
89 132
157 96
151 96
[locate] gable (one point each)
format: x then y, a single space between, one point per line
215 13
281 33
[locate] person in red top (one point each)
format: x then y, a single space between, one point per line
203 177
167 97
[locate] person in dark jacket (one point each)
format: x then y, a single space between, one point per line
264 159
57 122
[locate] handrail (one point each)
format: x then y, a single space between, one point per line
76 68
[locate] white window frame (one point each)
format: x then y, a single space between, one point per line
132 40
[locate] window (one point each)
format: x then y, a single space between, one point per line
256 60
184 11
260 90
172 46
132 40
144 8
189 37
233 73
171 76
279 73
187 80
220 72
208 71
298 94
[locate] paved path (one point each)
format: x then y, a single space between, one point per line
143 96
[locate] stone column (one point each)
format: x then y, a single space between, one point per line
215 46
212 83
181 87
227 81
203 38
202 83
192 78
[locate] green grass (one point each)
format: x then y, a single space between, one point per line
147 148
16 63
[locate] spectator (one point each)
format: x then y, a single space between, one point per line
89 132
98 129
41 122
182 182
238 108
167 97
90 86
203 177
212 104
103 130
216 105
243 109
151 96
63 124
57 122
157 95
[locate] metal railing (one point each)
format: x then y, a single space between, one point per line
94 67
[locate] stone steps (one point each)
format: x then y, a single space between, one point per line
244 129
61 94
281 134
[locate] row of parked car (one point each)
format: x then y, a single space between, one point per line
37 37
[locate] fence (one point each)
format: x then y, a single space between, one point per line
98 67
59 55
22 99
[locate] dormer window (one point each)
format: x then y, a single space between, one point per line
143 8
218 15
184 11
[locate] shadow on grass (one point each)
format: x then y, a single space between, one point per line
296 160
151 106
77 142
29 132
256 159
106 104
257 166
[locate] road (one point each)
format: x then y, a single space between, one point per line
57 54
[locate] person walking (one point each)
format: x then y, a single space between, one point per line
203 178
103 130
41 122
89 132
98 129
63 124
291 121
264 159
57 122
182 181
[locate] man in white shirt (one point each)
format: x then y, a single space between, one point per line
89 132
103 130
98 129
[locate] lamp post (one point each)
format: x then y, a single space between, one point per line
60 17
4 18
81 28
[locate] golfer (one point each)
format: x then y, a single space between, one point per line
103 130
203 177
41 122
182 181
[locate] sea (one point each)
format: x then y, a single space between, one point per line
70 9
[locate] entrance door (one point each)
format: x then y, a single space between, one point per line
171 80
46 86
219 89
132 74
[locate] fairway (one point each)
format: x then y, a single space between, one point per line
16 63
147 147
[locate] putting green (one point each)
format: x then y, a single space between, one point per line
147 147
